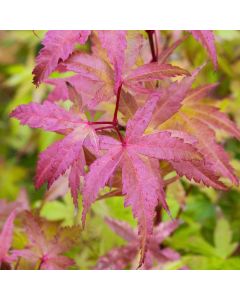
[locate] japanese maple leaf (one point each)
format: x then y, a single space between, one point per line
99 75
64 154
116 67
6 240
202 120
115 44
122 257
165 53
206 38
45 248
95 75
86 87
21 203
59 188
138 156
171 98
57 46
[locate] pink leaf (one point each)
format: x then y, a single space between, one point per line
122 229
162 145
122 257
58 189
154 71
57 45
221 164
83 85
200 172
47 250
77 170
135 42
22 200
61 155
117 259
57 263
164 229
58 157
75 97
165 54
21 203
137 125
206 38
141 179
27 254
215 119
97 72
143 192
48 116
114 41
127 105
170 99
6 238
170 254
200 92
89 66
207 145
100 172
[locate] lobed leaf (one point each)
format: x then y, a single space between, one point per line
114 41
6 238
57 45
154 71
206 38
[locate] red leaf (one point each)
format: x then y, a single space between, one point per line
100 172
47 249
58 157
141 185
122 257
57 45
61 155
48 116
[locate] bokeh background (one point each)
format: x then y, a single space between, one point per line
210 235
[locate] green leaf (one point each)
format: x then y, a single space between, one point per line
60 211
198 262
223 238
114 207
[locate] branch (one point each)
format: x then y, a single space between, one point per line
100 123
114 123
115 120
151 42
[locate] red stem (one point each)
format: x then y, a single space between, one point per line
17 263
115 120
119 135
151 42
156 44
100 123
114 123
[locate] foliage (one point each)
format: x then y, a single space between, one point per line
143 136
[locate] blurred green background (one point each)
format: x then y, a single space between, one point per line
210 235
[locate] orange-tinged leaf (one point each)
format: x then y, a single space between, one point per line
154 71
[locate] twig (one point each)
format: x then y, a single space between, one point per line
151 42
